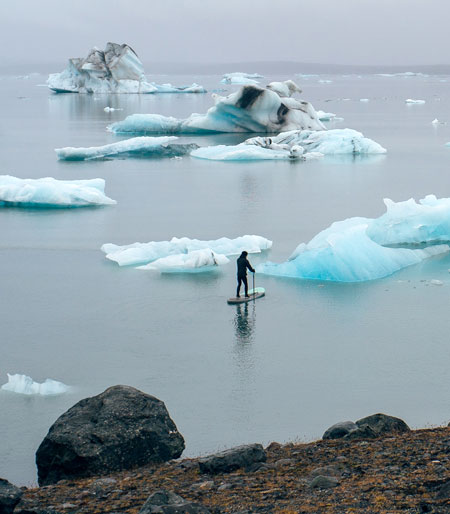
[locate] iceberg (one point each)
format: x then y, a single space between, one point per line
295 144
117 69
143 253
241 78
49 192
250 109
326 116
134 147
195 261
355 249
412 101
24 384
412 223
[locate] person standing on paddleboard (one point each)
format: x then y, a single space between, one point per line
242 265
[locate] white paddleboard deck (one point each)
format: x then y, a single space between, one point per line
243 299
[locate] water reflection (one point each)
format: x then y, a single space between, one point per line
244 323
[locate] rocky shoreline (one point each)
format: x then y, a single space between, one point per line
118 453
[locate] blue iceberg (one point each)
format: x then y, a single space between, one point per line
352 250
134 147
49 192
250 109
143 253
296 144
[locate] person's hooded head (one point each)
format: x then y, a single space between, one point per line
244 254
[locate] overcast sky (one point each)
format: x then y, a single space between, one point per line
204 31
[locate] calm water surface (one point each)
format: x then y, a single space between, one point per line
285 368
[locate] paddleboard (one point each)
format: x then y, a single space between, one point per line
243 299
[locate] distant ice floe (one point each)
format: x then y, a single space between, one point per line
353 250
144 253
117 69
250 109
241 78
49 192
197 260
112 109
437 122
296 144
412 101
24 384
134 147
364 100
406 74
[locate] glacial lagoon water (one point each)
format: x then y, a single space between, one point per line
307 355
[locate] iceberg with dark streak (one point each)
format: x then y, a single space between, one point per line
143 253
49 192
250 109
138 147
117 69
355 250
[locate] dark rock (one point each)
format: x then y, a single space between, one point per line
328 471
324 482
9 496
362 432
383 424
444 490
340 430
166 502
232 459
118 429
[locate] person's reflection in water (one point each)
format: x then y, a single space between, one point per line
244 324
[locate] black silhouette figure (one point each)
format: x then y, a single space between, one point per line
242 265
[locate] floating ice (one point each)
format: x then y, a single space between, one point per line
437 122
49 192
111 109
364 100
24 384
143 253
411 101
296 144
250 109
134 147
284 89
242 74
325 116
241 78
324 81
197 260
117 69
352 250
409 222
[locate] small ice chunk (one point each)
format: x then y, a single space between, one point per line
435 282
412 101
325 81
364 100
112 109
24 384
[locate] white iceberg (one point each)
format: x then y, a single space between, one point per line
412 101
240 78
117 69
143 253
410 223
354 250
24 384
296 144
134 147
112 109
49 192
364 100
250 109
326 116
195 261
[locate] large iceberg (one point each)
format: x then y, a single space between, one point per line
117 69
240 78
49 192
24 384
134 147
296 144
250 109
143 253
195 261
352 250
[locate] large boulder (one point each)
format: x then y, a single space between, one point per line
167 502
339 430
383 424
230 460
118 429
9 496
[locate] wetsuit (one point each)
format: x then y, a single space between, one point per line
242 265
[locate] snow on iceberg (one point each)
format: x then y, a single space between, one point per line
49 192
134 147
143 253
353 250
24 384
250 109
117 69
296 144
195 261
409 222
